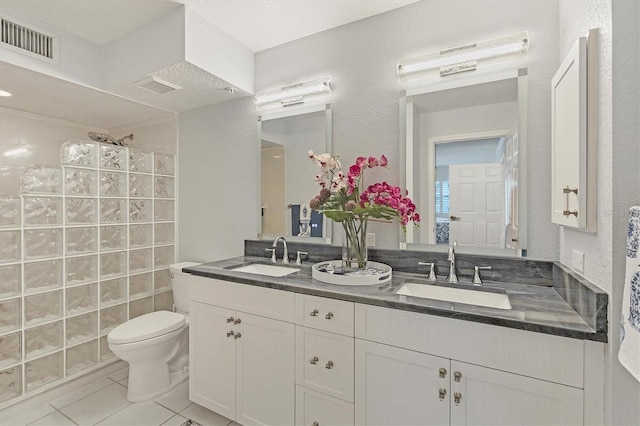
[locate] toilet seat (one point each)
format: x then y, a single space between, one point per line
146 326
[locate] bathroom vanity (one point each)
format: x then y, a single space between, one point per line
293 350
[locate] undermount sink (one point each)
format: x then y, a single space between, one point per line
456 295
265 269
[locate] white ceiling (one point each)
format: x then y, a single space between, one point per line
257 24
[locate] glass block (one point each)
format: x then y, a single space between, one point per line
82 298
80 182
79 153
112 317
105 352
113 291
9 246
113 184
10 383
164 164
42 211
164 187
10 349
113 238
113 210
113 157
43 339
81 269
140 185
44 275
42 307
140 210
82 328
10 280
41 180
140 260
164 210
81 357
164 233
45 370
140 235
82 240
163 301
162 279
113 264
10 315
140 285
81 211
163 256
42 243
140 307
10 212
140 161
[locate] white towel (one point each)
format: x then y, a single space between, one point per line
629 354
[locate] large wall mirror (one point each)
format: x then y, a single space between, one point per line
465 163
287 174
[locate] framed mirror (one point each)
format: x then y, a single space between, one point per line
287 174
465 163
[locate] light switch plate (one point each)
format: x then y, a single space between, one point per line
578 261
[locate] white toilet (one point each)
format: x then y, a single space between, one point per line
156 345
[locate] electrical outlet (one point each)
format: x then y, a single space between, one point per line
578 261
371 239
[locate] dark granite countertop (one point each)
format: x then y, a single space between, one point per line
535 308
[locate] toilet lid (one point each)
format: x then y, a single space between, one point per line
146 326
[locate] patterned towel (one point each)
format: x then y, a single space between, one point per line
629 354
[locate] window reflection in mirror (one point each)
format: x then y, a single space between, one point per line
464 156
287 173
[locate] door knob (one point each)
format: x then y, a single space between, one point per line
454 218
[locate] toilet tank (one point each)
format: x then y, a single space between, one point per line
180 285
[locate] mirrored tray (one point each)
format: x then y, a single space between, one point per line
331 272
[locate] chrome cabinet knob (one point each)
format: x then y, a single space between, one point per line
315 424
457 376
329 315
314 313
329 365
457 397
237 321
230 319
443 373
237 336
442 392
314 360
230 333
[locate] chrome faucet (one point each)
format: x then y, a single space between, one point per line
285 255
451 257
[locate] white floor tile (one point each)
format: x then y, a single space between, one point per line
203 416
53 419
83 392
119 375
177 399
124 382
176 420
97 406
30 416
146 413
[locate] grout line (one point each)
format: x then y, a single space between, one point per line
70 419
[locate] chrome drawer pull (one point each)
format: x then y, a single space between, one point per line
237 336
230 319
442 393
443 373
329 315
457 376
314 360
230 333
329 365
314 313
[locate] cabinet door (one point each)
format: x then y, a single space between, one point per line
315 408
399 387
212 359
491 397
265 389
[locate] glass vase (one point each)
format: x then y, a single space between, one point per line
354 244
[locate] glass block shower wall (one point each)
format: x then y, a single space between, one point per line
85 247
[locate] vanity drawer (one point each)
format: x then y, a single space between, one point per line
316 408
543 356
266 302
321 313
324 362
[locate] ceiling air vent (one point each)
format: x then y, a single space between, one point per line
27 40
155 85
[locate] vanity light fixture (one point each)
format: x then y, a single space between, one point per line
295 94
465 58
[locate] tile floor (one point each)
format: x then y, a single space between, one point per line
104 402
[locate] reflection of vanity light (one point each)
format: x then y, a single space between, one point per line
465 58
16 152
295 94
277 156
4 94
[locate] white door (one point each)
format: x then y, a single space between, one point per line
265 384
484 396
399 387
212 356
476 204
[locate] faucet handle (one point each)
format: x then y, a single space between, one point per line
432 269
476 274
273 254
298 260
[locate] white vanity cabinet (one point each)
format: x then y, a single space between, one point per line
241 343
420 369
